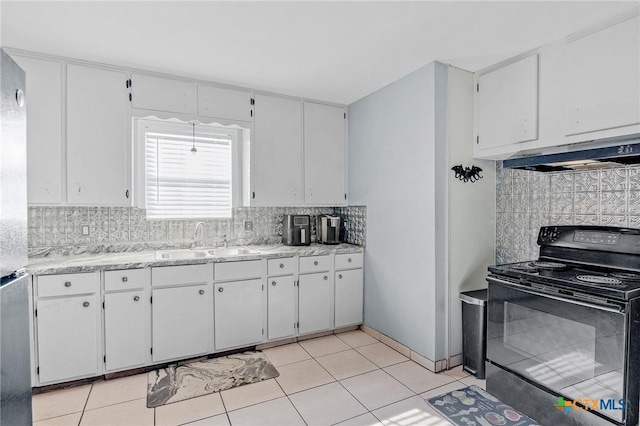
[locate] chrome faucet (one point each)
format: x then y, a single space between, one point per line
225 242
200 225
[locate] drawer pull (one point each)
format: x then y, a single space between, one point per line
315 263
273 283
85 304
67 284
340 276
201 292
281 265
326 277
349 260
136 298
220 290
125 279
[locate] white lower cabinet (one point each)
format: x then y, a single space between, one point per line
281 307
181 318
348 297
127 324
238 313
315 307
160 314
67 338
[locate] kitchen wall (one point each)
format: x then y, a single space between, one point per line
526 200
62 226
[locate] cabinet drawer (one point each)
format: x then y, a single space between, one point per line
349 261
238 270
284 266
185 274
67 284
126 279
315 264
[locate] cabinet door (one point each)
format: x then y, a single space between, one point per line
277 151
44 130
67 338
220 102
127 329
324 154
98 166
162 94
238 313
348 297
508 104
603 79
314 302
281 307
180 321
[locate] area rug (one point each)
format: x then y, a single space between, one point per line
473 406
184 381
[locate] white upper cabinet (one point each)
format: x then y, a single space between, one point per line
508 104
603 79
44 129
162 94
277 151
324 154
98 157
219 102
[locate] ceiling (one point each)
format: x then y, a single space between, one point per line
331 51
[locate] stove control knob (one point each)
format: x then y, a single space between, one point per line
544 235
554 234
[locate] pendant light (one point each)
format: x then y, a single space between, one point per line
193 138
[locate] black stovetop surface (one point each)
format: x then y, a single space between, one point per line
622 284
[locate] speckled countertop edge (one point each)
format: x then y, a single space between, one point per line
144 259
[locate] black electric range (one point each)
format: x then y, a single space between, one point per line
566 327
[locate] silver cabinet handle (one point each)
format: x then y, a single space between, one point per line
136 298
340 276
219 289
201 292
67 284
326 277
349 260
125 279
273 283
315 263
85 304
281 265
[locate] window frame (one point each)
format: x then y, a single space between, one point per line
140 126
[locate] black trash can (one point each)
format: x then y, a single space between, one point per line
474 331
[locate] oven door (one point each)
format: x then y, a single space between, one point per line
573 348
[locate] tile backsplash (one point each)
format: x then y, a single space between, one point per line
63 226
527 200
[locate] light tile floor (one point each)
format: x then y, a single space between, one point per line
346 379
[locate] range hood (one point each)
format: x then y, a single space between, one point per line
590 155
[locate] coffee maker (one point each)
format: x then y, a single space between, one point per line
328 229
296 230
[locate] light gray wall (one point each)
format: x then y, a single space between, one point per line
392 172
470 206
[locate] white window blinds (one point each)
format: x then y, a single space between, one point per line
180 183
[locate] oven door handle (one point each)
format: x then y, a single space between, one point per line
525 289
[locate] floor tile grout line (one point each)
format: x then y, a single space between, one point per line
85 404
225 406
292 404
116 403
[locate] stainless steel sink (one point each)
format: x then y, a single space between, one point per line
181 254
232 251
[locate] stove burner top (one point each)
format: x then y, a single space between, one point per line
598 279
549 265
534 266
626 276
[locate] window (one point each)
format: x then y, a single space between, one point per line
189 171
